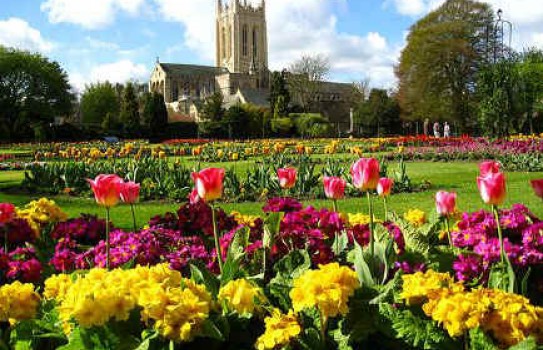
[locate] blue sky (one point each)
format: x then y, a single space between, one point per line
118 40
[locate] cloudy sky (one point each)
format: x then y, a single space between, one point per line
118 40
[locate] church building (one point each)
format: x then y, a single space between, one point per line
240 73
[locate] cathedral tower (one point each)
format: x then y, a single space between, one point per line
241 36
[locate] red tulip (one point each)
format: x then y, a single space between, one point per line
489 167
287 177
130 192
365 173
334 187
384 186
7 212
106 189
445 203
492 188
537 185
209 183
193 197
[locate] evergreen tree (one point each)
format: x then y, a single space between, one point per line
279 95
130 115
155 114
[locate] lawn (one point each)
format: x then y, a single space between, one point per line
459 177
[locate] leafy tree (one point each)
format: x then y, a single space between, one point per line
499 89
312 125
380 110
130 115
531 76
306 77
279 94
438 67
155 114
108 123
97 101
33 91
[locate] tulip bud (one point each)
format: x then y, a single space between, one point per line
492 188
287 177
537 185
106 189
384 186
209 183
365 173
445 203
334 187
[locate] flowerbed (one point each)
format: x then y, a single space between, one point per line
294 277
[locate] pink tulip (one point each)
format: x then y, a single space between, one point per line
489 167
130 192
537 185
445 203
334 187
209 183
365 173
7 212
106 189
492 188
384 186
287 177
193 196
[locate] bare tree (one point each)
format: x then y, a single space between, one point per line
306 77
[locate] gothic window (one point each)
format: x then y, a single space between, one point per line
245 39
223 43
255 43
175 93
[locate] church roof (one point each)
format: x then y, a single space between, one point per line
258 97
178 70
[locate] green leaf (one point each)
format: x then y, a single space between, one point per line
478 340
200 274
361 266
210 330
341 243
529 343
272 226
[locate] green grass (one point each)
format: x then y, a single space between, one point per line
458 177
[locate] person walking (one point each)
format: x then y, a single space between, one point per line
446 130
426 126
436 129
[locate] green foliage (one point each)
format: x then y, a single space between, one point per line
416 330
130 115
282 126
311 124
380 111
155 114
97 101
279 94
33 91
286 270
212 109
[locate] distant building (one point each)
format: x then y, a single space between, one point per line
240 73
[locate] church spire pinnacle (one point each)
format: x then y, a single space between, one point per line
219 6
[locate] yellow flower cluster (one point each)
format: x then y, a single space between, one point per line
18 301
509 318
327 288
417 286
360 219
247 220
241 296
41 212
175 306
280 330
416 217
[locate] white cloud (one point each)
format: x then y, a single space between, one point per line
90 14
17 33
119 72
414 7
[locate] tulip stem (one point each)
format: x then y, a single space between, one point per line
107 238
216 237
503 255
324 325
133 211
385 204
372 238
334 205
448 229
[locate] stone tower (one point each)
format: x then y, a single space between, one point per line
241 37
